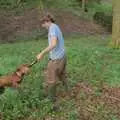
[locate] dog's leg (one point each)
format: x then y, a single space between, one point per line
2 89
15 85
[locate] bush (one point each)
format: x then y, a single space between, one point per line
11 4
103 19
7 3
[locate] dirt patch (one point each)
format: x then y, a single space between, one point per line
94 103
91 103
14 25
73 24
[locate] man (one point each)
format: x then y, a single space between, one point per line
57 59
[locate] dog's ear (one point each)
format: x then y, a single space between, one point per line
22 68
18 69
25 65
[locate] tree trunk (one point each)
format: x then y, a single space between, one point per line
83 5
41 7
116 24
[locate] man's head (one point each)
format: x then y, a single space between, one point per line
47 20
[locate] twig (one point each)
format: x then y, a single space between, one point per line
112 97
91 110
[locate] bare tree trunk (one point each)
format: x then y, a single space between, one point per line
83 5
116 24
41 7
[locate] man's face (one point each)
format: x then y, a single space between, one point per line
45 25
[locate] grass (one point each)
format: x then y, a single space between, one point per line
89 59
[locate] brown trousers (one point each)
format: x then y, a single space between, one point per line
55 72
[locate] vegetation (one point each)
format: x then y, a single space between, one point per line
92 69
104 19
89 60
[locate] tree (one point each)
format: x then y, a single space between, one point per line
83 4
116 24
84 8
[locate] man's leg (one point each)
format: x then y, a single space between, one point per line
64 81
50 81
62 74
52 92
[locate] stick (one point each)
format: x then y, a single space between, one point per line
112 97
34 62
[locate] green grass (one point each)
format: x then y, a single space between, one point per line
89 59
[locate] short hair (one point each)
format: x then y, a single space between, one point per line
47 18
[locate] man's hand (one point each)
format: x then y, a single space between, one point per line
40 56
48 49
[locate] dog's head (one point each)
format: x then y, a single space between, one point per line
23 69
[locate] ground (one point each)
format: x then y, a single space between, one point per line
26 25
93 75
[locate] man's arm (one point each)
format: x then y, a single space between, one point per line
48 49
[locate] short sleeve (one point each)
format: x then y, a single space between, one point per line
53 31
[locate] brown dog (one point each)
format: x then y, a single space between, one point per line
15 78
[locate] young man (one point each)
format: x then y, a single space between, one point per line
57 57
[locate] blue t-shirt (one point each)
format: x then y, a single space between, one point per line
58 52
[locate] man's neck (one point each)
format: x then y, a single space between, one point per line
50 24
